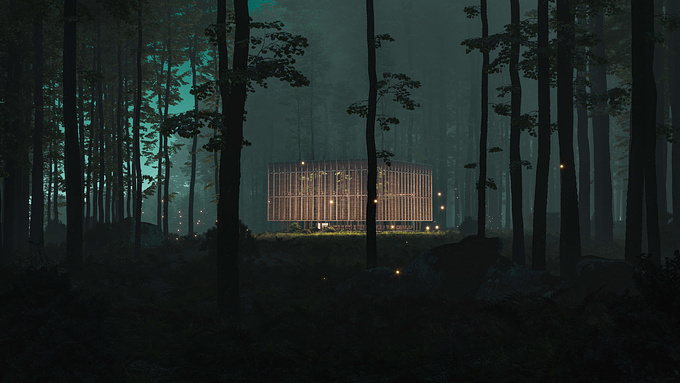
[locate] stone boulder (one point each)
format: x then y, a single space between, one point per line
508 278
601 276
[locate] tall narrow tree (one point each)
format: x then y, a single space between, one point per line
233 109
674 10
37 192
371 202
603 222
518 248
136 140
483 136
570 236
74 197
543 161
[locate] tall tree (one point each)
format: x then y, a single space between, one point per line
538 257
583 157
483 137
371 202
37 192
136 140
570 235
642 120
603 222
233 109
674 10
74 198
518 247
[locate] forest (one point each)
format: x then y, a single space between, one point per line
136 236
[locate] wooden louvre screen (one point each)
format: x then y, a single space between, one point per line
335 192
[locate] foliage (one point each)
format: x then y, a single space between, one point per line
52 334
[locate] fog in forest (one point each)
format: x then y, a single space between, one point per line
348 143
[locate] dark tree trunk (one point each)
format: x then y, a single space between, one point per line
543 161
371 202
602 214
166 152
38 200
570 232
233 109
81 136
518 248
120 196
194 142
661 143
674 10
100 141
74 198
584 160
136 150
642 120
483 136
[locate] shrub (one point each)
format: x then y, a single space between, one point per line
295 228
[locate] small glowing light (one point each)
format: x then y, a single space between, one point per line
324 278
561 166
392 227
331 201
201 211
180 216
436 227
439 194
396 272
375 201
303 162
178 230
442 207
176 239
427 228
178 211
195 235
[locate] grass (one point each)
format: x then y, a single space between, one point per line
156 321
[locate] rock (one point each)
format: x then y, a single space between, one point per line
503 280
152 235
453 271
609 276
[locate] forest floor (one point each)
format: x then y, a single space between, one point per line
155 320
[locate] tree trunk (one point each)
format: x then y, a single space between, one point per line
674 10
538 258
518 249
194 142
570 235
371 202
584 161
233 109
120 196
483 137
37 192
166 153
136 150
74 199
602 214
642 120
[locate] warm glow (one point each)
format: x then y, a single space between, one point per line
303 162
439 194
392 226
324 278
561 166
397 272
436 227
427 228
375 201
331 201
442 207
